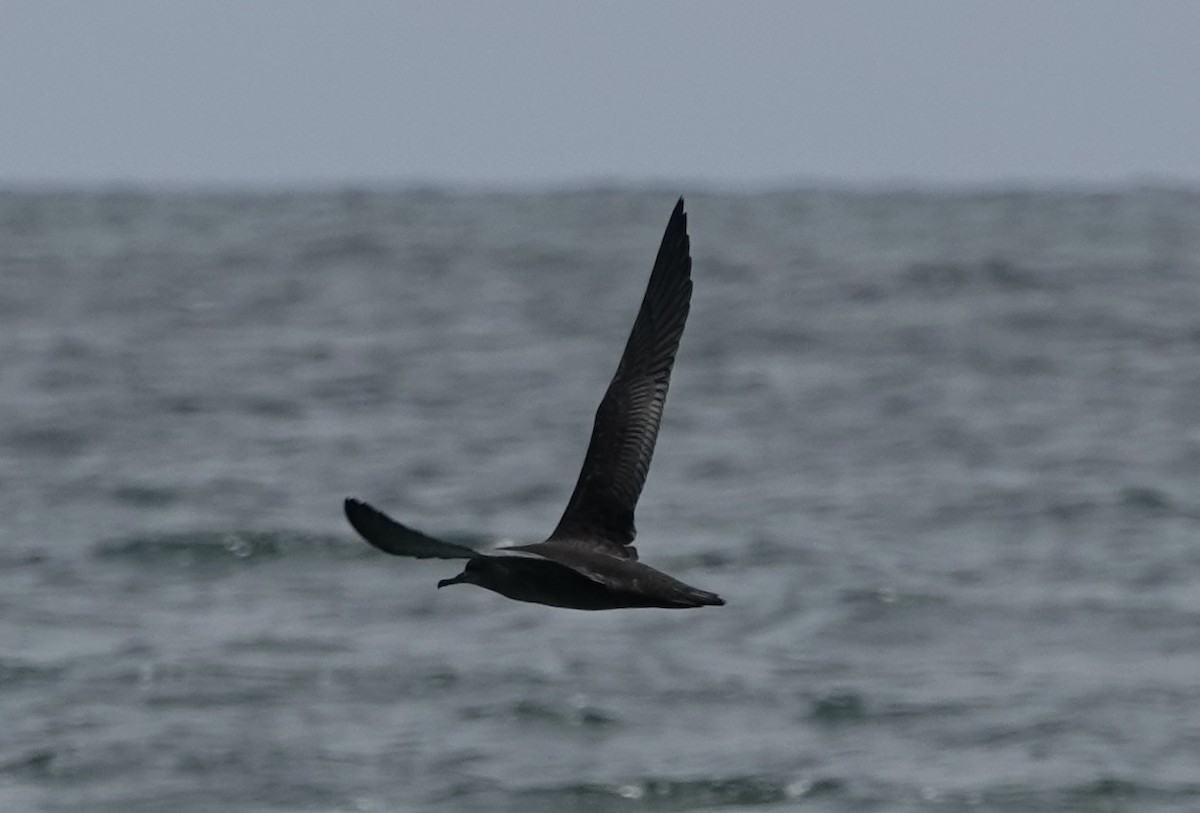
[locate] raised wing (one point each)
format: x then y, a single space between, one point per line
399 540
626 426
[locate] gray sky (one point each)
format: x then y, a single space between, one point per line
227 91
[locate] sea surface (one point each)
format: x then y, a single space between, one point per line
939 450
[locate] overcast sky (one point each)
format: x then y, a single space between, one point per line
525 92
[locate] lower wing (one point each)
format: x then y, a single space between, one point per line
399 540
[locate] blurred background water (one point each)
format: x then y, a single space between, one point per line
940 451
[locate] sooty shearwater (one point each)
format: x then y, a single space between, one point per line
589 562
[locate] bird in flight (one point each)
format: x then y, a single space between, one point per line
589 562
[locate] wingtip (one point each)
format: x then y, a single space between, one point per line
676 233
356 512
371 524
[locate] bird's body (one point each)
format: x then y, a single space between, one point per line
589 562
563 574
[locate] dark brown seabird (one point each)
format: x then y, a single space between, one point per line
589 562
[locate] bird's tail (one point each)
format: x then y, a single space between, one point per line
700 598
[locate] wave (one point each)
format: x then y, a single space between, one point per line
683 794
213 546
772 790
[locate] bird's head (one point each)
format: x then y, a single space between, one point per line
472 574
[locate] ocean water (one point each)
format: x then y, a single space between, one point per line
939 450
